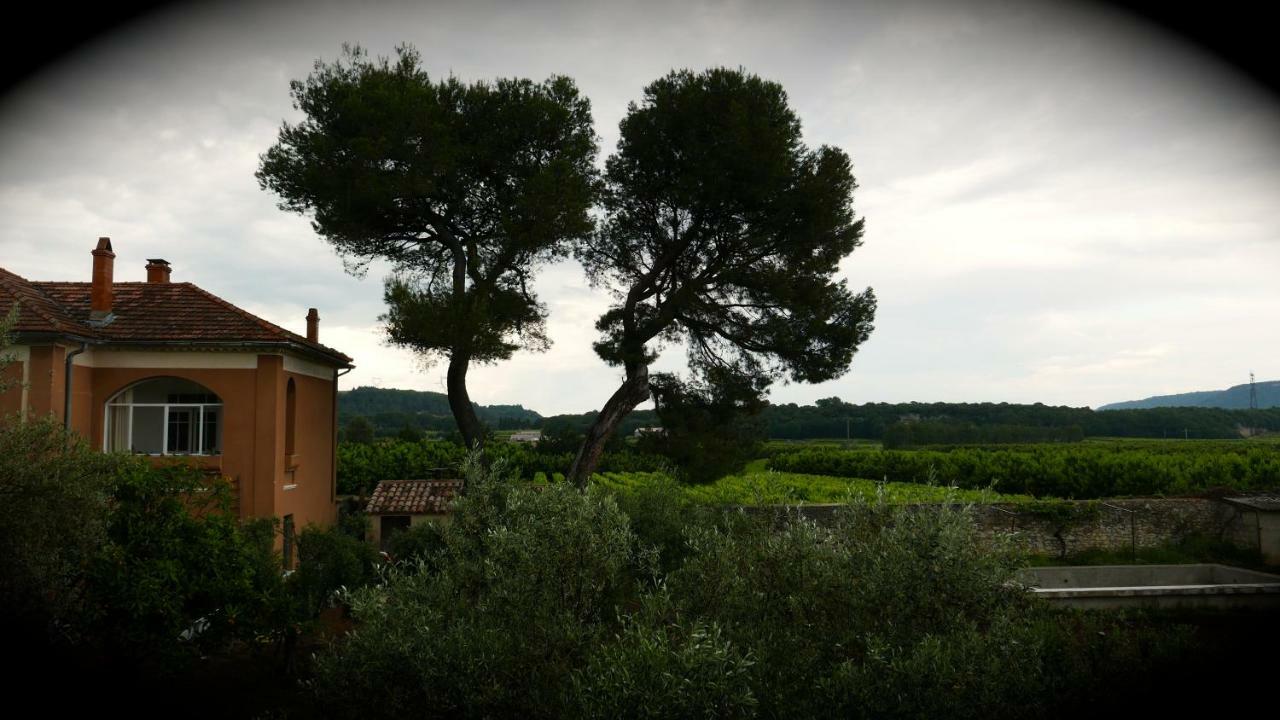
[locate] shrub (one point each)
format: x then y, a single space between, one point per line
53 518
660 513
492 621
804 598
177 575
662 666
329 560
420 542
548 602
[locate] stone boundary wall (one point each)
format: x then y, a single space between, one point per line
1117 525
1092 525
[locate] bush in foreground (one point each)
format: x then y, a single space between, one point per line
550 602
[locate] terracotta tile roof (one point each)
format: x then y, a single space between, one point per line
37 312
1262 501
145 313
413 497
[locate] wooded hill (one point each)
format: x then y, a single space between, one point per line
905 423
390 410
1233 398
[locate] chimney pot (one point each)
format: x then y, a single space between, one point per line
158 270
102 288
313 326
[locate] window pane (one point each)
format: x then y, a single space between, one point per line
148 430
182 431
117 429
212 431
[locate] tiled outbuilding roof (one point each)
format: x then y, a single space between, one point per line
1262 501
413 497
146 313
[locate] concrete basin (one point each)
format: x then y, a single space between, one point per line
1203 585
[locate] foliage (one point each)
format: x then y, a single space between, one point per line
329 560
492 622
53 508
552 602
464 189
409 433
7 323
422 541
1077 471
359 430
390 409
1005 422
559 436
660 666
362 466
803 599
911 434
142 564
660 510
709 429
834 419
761 487
723 230
176 564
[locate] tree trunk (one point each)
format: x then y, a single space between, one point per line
464 413
633 391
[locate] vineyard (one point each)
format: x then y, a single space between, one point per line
763 487
1084 470
361 466
828 473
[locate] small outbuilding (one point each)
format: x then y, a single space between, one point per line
397 505
1261 514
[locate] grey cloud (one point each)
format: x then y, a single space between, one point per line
1048 186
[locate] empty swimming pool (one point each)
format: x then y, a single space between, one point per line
1203 585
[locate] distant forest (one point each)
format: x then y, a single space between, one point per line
896 424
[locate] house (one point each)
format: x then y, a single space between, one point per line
397 505
526 436
166 369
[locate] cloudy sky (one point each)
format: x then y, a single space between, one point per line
1063 204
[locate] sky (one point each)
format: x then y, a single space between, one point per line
1064 204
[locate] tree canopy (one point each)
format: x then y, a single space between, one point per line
723 231
464 188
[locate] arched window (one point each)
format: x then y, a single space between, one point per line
164 416
290 417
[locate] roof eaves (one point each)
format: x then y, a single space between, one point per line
342 360
292 338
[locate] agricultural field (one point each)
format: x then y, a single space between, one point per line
1086 470
768 487
830 471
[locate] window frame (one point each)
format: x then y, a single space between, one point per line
198 426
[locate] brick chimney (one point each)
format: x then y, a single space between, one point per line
101 292
158 270
313 325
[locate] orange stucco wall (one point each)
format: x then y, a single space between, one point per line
234 387
253 441
311 498
44 395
